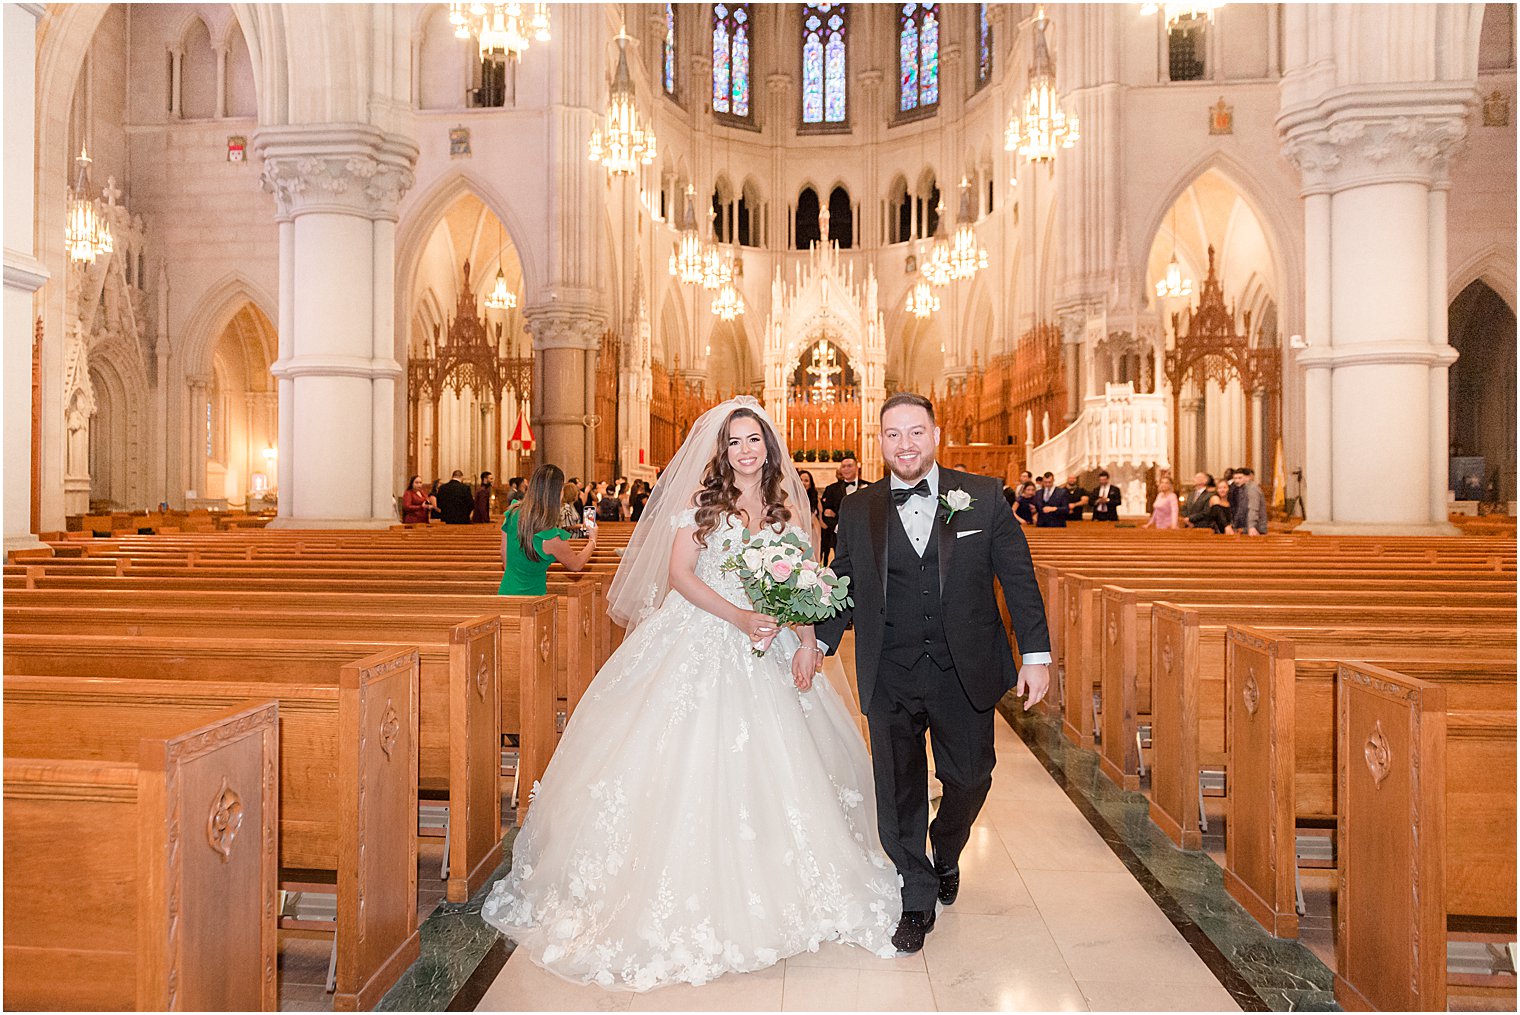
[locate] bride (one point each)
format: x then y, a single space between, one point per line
702 814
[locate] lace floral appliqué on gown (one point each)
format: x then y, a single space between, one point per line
700 815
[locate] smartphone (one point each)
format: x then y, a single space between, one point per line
589 516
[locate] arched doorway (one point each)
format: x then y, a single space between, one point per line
1220 421
469 355
240 431
1481 327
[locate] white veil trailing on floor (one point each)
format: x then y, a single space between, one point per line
643 577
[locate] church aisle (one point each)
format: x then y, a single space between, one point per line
1048 919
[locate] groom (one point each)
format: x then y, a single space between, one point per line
930 651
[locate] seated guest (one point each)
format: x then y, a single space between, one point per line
1164 512
1077 499
416 505
1052 504
1024 509
1106 500
609 507
1195 510
531 541
482 512
570 516
455 503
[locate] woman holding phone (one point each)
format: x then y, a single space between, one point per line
532 537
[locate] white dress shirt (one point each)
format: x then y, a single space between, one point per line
917 514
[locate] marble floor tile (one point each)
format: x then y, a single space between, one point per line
831 955
990 883
809 988
1107 995
1108 929
1006 962
758 991
523 986
1050 835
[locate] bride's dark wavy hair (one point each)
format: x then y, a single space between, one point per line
719 497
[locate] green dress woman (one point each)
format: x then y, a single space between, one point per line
532 539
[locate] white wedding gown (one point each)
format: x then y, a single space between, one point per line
700 816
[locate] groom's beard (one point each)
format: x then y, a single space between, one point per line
925 463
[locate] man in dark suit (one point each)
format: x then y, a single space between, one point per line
1195 510
848 482
1051 504
1076 500
922 550
455 502
1106 499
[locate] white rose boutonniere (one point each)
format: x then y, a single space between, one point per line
954 502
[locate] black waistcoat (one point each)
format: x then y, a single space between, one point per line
915 622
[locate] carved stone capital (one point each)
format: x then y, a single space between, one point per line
564 327
1383 135
345 170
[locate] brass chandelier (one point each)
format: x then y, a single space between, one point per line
87 234
1044 128
921 301
622 143
967 255
503 31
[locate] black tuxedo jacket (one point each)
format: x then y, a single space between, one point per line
833 497
976 546
455 502
1106 511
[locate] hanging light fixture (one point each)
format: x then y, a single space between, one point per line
967 256
686 259
1174 285
501 297
87 234
728 304
935 264
622 144
921 301
717 269
503 30
1181 16
1044 128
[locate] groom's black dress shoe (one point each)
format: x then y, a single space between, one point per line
911 929
949 885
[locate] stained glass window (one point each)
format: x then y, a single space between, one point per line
918 56
670 49
731 59
984 50
823 63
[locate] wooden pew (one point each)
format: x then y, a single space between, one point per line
1427 833
1126 637
140 872
1077 598
575 603
348 763
527 639
460 719
1189 658
1281 734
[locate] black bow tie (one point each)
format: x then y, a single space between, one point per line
900 495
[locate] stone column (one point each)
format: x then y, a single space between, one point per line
24 274
564 346
199 387
1071 346
176 80
337 188
1377 162
1187 437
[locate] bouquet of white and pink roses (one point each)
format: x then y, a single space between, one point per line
783 581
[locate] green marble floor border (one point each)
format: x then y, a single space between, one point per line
1260 971
455 940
